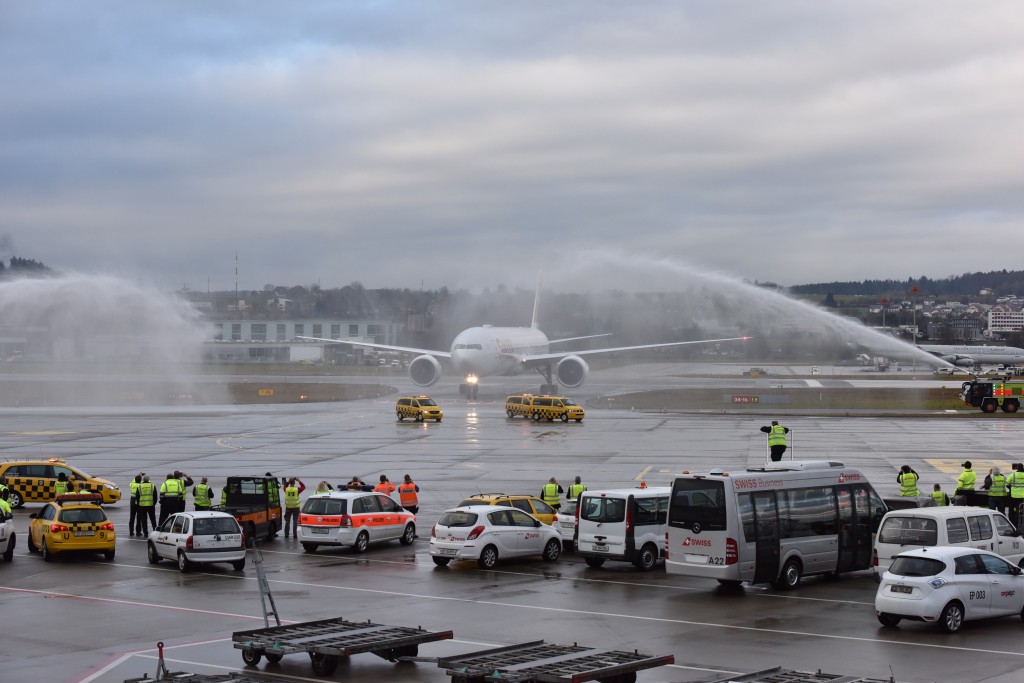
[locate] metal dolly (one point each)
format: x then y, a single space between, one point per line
543 663
326 641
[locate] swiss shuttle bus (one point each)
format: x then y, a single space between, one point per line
772 524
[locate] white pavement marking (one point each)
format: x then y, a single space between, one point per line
562 610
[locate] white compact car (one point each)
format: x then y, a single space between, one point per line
565 522
486 533
354 518
948 586
190 538
7 537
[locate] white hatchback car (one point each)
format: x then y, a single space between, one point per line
565 522
486 533
8 538
190 538
948 585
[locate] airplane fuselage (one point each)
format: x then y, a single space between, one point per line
955 353
487 350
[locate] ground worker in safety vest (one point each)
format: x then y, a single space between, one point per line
292 489
385 486
5 507
146 500
965 482
1015 484
133 504
323 487
203 494
907 479
575 489
408 495
938 496
171 492
996 490
776 439
62 485
551 493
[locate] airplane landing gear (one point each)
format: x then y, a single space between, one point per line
470 391
549 387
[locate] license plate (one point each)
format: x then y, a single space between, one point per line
85 533
600 548
448 552
902 589
568 525
319 530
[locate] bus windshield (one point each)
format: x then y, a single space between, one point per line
698 502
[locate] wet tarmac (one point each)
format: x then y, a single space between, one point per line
86 619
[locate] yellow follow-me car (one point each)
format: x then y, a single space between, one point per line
528 504
417 408
71 522
31 481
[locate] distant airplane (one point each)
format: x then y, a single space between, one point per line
484 351
968 356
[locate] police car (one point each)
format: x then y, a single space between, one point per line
31 481
488 533
353 518
947 585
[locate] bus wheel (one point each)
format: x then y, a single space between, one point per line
790 576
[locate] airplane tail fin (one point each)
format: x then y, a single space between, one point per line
536 303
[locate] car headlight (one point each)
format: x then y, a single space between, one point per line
937 583
112 487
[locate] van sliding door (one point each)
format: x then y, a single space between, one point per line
766 525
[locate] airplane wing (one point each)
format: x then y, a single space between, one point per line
385 347
589 336
545 358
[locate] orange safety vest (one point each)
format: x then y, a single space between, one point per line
385 487
407 495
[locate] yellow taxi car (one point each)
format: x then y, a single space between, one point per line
31 481
543 408
71 522
418 408
534 506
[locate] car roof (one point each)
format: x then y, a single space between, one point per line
490 508
946 552
342 494
204 514
488 496
649 491
937 511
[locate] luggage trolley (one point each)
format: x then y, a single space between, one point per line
539 662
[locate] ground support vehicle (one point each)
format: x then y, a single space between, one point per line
355 519
541 662
531 505
71 522
326 641
417 408
191 538
487 533
627 525
256 503
31 481
991 394
772 524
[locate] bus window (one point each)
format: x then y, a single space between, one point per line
698 501
807 512
746 509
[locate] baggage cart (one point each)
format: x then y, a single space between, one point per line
544 663
326 641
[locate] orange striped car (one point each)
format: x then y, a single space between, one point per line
353 518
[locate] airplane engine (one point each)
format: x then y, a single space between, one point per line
424 371
571 371
962 361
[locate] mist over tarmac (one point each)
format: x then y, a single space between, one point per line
109 340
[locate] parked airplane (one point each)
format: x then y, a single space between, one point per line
968 356
482 351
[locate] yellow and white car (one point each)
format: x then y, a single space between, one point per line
71 522
418 408
31 481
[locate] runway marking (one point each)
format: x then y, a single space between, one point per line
589 613
128 655
955 467
643 473
133 603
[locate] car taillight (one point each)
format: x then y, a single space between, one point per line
433 531
243 539
475 533
874 557
629 520
345 521
188 543
732 554
58 527
108 526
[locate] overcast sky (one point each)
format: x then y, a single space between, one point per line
467 143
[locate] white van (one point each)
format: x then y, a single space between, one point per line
622 524
957 525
